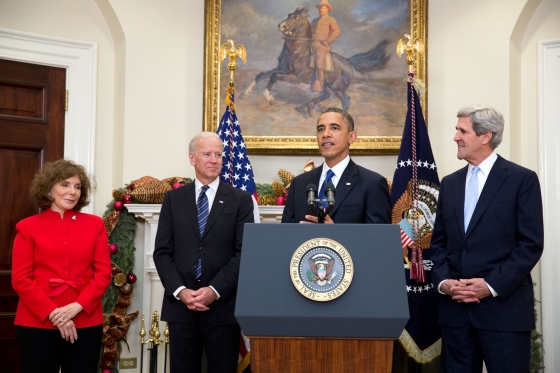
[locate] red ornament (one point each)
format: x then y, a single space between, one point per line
107 371
127 198
118 206
113 249
280 201
177 185
131 278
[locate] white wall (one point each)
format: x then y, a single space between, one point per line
150 66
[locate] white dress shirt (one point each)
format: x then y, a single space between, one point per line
338 169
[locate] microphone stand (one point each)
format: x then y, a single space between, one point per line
316 204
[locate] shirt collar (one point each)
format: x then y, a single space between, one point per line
213 185
338 169
486 165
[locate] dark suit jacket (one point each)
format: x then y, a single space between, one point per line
362 196
178 247
503 242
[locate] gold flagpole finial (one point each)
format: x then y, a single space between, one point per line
232 53
411 48
142 331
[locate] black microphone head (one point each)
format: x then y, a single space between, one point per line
330 188
311 191
311 187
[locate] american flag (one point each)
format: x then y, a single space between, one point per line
236 167
238 172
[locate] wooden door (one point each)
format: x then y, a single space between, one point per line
32 101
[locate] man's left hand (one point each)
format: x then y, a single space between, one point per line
201 299
478 286
313 219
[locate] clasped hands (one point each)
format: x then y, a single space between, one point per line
313 219
62 319
466 290
197 300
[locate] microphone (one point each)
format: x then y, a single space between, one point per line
311 190
330 191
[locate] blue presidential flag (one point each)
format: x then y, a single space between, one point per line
414 196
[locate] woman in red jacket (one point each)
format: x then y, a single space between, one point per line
60 270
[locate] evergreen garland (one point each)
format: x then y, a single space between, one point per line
537 350
123 236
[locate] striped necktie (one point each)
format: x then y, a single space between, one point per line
202 208
328 179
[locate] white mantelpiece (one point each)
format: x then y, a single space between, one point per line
149 292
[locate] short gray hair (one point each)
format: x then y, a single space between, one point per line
202 135
485 119
347 118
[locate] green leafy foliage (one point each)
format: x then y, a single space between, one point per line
264 189
123 236
537 350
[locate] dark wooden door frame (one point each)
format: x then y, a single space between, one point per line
79 58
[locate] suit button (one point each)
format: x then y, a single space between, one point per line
464 252
201 248
198 280
193 267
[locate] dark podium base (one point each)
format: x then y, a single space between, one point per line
305 355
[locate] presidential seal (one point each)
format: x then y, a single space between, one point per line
321 269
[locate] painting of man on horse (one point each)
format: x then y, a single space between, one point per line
310 73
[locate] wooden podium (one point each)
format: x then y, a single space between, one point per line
292 334
304 355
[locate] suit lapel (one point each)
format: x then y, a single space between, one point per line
345 184
220 201
459 191
496 178
190 206
313 177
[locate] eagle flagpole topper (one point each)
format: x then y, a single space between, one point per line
233 54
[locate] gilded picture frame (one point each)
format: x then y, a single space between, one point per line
303 140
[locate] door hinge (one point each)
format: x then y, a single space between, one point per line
66 101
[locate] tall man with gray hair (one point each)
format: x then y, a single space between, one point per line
197 253
487 238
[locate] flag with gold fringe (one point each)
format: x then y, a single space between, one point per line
414 197
238 172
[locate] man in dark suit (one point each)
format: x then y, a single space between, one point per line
487 238
197 253
362 196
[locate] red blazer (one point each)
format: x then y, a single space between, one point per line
57 261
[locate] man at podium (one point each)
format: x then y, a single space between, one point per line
362 196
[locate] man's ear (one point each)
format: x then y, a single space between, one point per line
353 137
486 137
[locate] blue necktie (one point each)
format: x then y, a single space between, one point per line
471 196
202 208
328 179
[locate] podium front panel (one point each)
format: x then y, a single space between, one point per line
375 305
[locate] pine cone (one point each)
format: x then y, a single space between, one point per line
277 189
267 200
118 195
285 176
